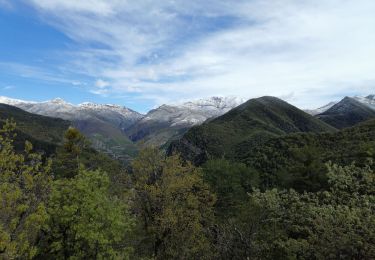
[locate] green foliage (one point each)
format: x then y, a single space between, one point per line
24 187
255 122
334 224
37 127
231 182
86 222
298 160
45 133
174 207
66 162
275 195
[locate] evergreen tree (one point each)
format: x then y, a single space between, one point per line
67 160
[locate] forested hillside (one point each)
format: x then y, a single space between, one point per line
298 160
45 132
287 187
254 121
348 112
166 209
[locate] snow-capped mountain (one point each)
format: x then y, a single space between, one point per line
61 109
103 124
320 110
348 112
163 123
369 101
193 112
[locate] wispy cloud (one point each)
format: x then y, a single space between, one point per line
168 50
34 72
8 87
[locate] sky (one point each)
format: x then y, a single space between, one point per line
144 53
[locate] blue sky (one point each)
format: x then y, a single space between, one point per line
144 53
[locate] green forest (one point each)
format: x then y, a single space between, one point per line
296 202
187 130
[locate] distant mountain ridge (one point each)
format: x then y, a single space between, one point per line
169 122
111 126
349 112
367 101
120 131
45 133
103 124
320 110
253 122
59 108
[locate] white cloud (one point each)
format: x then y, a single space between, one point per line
8 87
168 50
101 7
102 84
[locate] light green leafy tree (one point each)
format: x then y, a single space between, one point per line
86 222
335 224
24 188
174 205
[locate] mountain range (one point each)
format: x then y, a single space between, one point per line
349 112
368 101
253 122
103 124
170 122
45 133
120 131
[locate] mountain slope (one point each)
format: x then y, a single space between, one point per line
256 120
44 132
103 124
347 112
368 101
301 157
320 110
169 122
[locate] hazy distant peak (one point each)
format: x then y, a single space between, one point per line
12 101
215 102
58 101
99 106
369 101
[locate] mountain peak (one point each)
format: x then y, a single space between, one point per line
58 101
349 111
215 102
254 121
12 101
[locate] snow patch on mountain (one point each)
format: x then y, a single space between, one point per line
369 101
193 112
60 108
322 109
